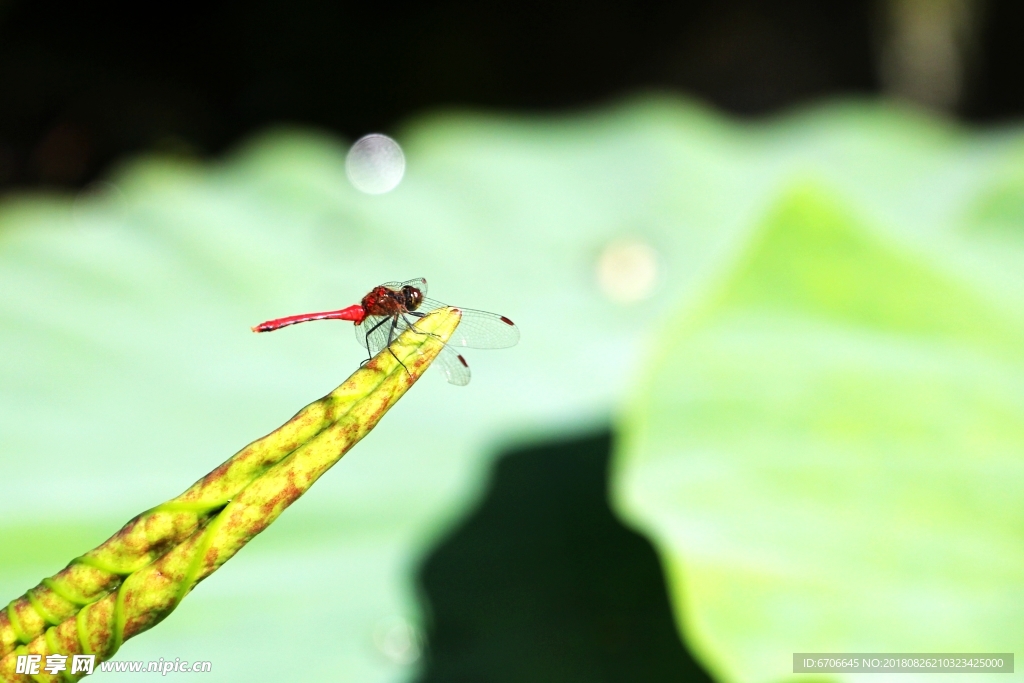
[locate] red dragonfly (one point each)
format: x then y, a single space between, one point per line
394 307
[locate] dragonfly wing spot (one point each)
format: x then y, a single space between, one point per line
455 367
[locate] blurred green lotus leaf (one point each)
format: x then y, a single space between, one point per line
127 365
997 213
827 451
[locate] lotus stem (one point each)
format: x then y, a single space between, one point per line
138 576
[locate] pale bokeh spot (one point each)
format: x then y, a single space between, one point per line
628 270
398 640
375 164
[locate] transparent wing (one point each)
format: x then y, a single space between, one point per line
455 367
376 332
477 329
419 283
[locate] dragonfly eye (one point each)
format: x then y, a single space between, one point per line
413 297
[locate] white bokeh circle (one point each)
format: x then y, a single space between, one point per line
375 164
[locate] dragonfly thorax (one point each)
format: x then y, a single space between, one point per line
389 302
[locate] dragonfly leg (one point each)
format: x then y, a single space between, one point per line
412 326
368 333
391 338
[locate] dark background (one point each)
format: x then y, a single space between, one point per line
542 583
82 84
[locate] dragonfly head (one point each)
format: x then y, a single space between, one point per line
413 297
